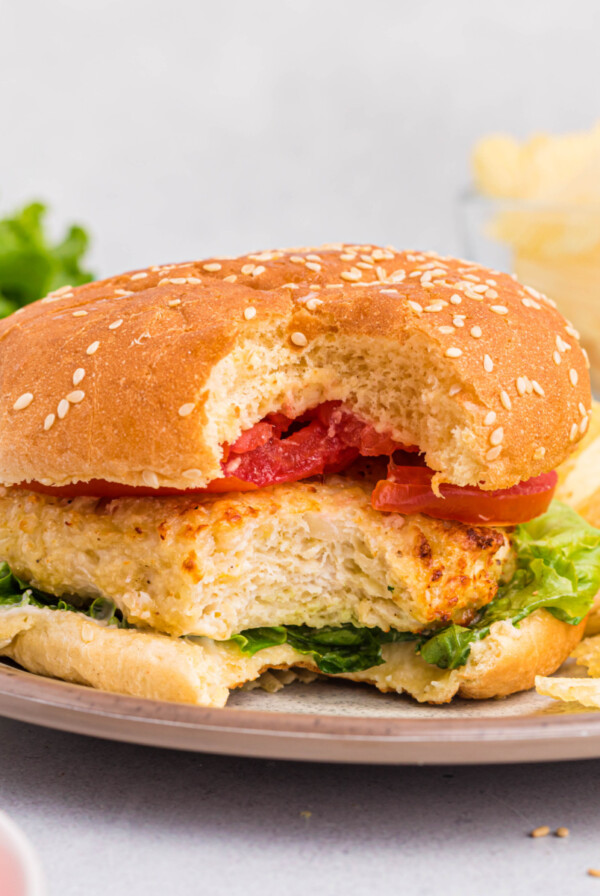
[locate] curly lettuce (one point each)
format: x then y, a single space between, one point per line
30 265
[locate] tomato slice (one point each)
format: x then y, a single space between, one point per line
101 488
409 491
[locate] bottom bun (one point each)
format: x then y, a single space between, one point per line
72 647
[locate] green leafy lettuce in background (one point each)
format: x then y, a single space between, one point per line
557 569
30 266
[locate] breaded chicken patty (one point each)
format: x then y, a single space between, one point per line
302 553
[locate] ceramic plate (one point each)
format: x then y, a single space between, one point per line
324 721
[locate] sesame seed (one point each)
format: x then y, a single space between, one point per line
48 422
139 276
587 358
230 279
454 390
542 831
313 266
78 376
499 309
414 305
556 356
193 280
491 294
260 269
488 364
61 291
522 385
497 436
436 306
505 399
115 324
573 433
174 302
479 289
248 268
476 332
250 312
537 388
539 453
490 418
123 292
572 331
493 453
313 258
212 266
186 409
178 281
347 257
75 397
381 273
456 299
23 401
63 407
561 345
352 275
582 409
150 479
458 321
573 376
377 255
92 348
453 352
594 872
363 265
562 832
80 313
446 330
394 292
583 425
192 474
299 339
164 281
313 304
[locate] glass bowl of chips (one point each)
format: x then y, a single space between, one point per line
535 211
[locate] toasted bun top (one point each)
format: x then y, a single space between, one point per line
140 378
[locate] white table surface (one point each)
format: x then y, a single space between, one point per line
109 818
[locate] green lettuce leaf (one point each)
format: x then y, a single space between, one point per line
557 569
14 592
30 266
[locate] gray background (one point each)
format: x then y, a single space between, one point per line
122 820
180 129
177 130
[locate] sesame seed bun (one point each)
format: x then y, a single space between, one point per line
141 378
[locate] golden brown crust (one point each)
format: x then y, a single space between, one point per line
509 659
141 377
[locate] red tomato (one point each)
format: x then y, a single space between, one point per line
410 492
100 488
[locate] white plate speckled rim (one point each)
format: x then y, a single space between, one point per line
326 721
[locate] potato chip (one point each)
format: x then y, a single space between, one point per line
571 690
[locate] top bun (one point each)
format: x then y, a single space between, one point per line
141 378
